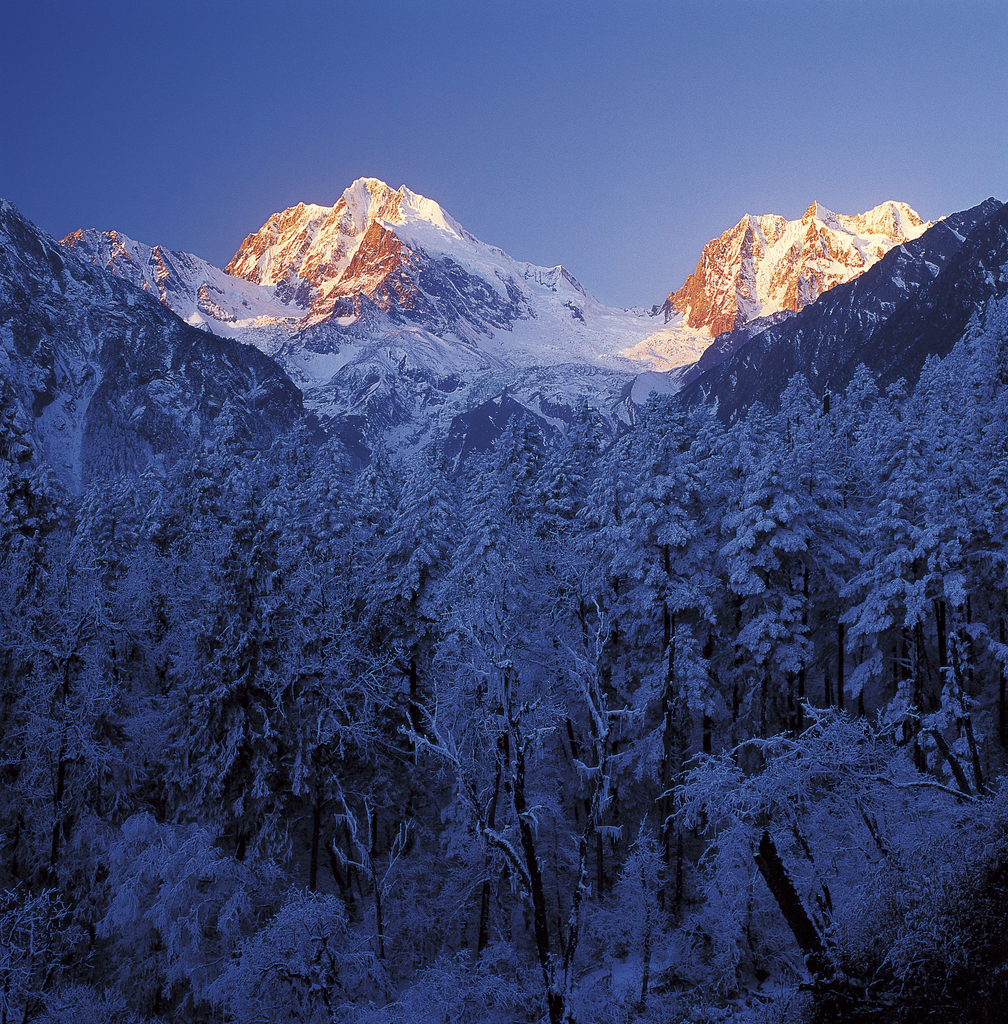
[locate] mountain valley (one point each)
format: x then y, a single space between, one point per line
390 316
391 632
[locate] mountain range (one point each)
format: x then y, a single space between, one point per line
381 262
890 318
105 377
383 317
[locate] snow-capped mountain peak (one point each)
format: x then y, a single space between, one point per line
382 261
195 290
318 243
764 265
103 372
892 220
385 287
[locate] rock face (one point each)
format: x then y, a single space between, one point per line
384 286
109 379
198 292
387 249
340 250
388 314
392 317
913 302
765 265
383 270
382 261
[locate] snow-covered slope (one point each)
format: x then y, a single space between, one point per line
198 292
388 264
108 378
387 281
767 265
913 302
384 307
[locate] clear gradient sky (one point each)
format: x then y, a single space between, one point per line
613 138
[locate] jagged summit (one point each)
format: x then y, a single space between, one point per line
195 290
368 244
390 317
318 243
383 286
913 302
108 379
764 265
382 274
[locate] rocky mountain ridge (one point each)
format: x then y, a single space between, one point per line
393 320
379 305
765 265
105 377
858 321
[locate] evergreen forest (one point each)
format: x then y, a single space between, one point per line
683 721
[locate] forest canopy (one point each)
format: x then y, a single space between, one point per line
679 721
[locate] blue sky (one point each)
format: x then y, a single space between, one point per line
613 138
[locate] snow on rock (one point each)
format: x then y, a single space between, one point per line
384 292
108 376
765 265
381 258
198 292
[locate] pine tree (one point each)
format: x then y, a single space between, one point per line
767 536
407 598
228 744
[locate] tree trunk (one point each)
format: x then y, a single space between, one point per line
484 921
974 754
780 885
800 708
904 676
1003 697
920 760
764 687
343 883
556 886
351 873
599 866
15 845
679 874
316 830
919 665
966 721
840 666
668 752
58 804
939 612
483 934
792 719
646 953
953 762
414 695
379 921
708 653
969 648
684 744
800 711
540 922
736 704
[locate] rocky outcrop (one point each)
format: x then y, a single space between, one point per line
765 265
